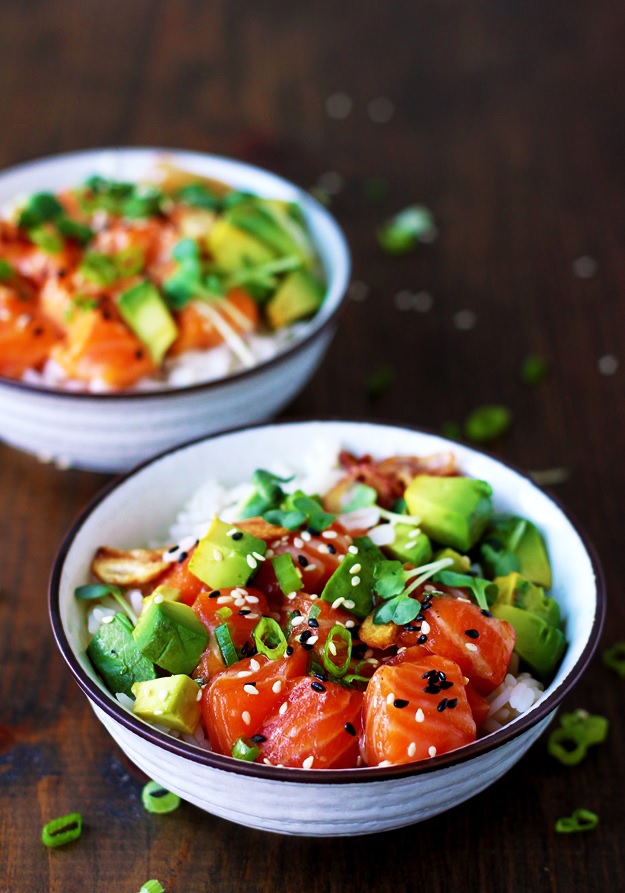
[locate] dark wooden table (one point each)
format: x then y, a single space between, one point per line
506 119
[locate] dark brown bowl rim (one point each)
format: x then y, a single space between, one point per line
317 776
240 376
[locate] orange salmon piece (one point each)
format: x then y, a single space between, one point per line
26 334
415 710
240 611
197 332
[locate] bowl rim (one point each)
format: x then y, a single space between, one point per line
337 292
366 774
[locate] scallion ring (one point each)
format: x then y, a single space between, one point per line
226 645
63 830
337 633
269 638
580 820
158 800
245 749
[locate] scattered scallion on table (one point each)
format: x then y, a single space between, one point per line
158 800
487 423
577 732
152 886
614 658
400 234
65 829
580 820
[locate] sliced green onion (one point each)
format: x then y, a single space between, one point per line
158 800
129 261
577 732
245 749
269 638
286 573
340 634
314 612
71 229
534 369
62 830
6 270
46 239
580 820
614 658
226 645
152 886
224 613
99 268
487 422
400 234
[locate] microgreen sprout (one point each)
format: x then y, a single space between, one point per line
394 584
400 234
93 591
484 591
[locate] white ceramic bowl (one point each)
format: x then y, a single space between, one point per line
107 432
141 507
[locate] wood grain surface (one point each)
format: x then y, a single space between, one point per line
506 119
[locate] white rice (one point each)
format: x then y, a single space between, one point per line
514 696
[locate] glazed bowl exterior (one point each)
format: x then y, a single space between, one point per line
113 432
140 508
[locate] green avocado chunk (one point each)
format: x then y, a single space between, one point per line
226 556
114 654
353 580
410 545
171 635
461 563
171 701
454 511
537 642
145 311
515 544
269 222
298 296
234 249
513 589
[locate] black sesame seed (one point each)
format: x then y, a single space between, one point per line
432 689
331 549
312 621
245 648
472 633
442 705
422 639
429 674
445 683
486 613
317 686
214 594
305 636
400 702
452 702
349 729
172 549
419 617
289 650
182 557
258 739
138 353
441 675
320 676
303 561
237 535
307 647
244 612
412 629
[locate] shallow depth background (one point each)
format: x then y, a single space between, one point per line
506 120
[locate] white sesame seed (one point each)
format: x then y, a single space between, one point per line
403 648
250 689
412 749
239 602
305 535
390 698
245 716
269 553
332 648
217 556
252 616
251 599
307 764
158 711
198 696
419 715
238 591
350 624
231 532
223 599
338 602
291 596
353 550
355 581
158 599
432 751
298 543
349 604
355 568
369 652
329 534
242 673
340 558
296 621
384 764
277 686
373 661
425 627
312 640
470 646
310 567
267 761
283 708
251 561
321 547
429 587
254 665
108 618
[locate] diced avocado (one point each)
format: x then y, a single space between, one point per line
171 701
461 563
226 556
270 222
407 546
537 642
233 249
353 580
166 593
515 544
454 511
288 577
513 589
298 296
146 313
171 635
114 654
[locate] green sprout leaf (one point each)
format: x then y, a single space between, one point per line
534 369
401 233
487 423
